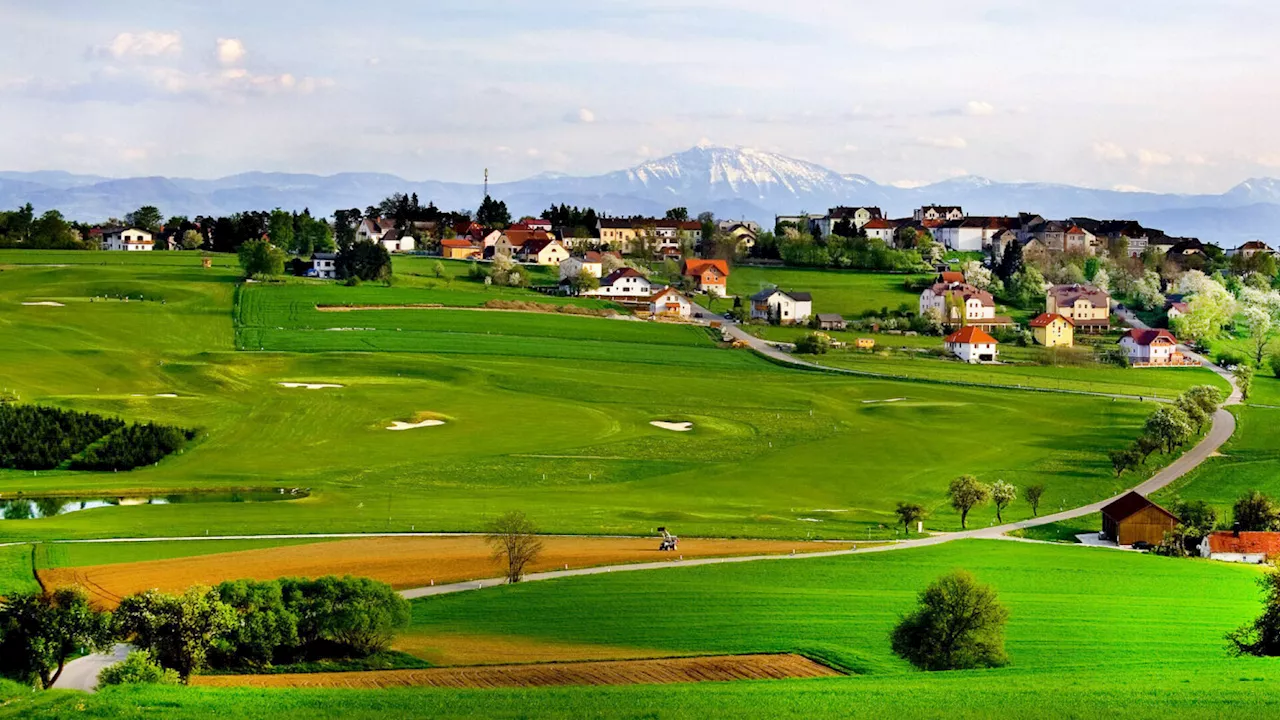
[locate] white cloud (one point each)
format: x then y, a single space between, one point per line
1127 188
230 51
945 143
128 45
1270 161
1109 152
1148 158
908 184
978 108
1195 159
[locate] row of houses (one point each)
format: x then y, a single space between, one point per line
950 226
1143 348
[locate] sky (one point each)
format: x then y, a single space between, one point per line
1161 95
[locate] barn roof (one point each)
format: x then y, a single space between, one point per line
1130 504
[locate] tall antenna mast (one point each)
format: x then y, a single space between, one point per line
486 182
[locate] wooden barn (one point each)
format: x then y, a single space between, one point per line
1133 518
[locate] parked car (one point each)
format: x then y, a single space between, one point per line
1142 545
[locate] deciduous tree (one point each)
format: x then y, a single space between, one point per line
1170 426
1002 493
178 630
967 493
908 514
39 632
515 543
1256 511
261 258
1033 494
958 625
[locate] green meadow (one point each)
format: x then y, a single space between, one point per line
847 292
1091 633
1247 462
547 413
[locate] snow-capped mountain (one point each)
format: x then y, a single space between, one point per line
730 182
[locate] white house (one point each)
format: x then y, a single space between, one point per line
624 283
972 345
374 229
667 302
395 241
1151 347
944 213
782 307
128 239
880 229
324 265
591 263
1251 248
547 251
858 217
1242 547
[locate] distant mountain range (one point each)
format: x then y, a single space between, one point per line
738 183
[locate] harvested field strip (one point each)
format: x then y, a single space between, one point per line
718 668
400 562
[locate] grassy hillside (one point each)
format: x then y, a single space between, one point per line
847 292
1081 643
1247 462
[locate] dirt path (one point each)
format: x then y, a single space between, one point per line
716 668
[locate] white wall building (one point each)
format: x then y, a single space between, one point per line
972 345
667 302
782 307
127 239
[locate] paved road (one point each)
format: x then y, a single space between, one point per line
82 673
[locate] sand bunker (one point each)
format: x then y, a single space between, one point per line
399 425
46 303
869 402
309 386
676 426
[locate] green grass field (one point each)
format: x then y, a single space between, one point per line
15 570
1247 462
545 413
1080 643
847 292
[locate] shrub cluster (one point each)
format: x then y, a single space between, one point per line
132 446
33 437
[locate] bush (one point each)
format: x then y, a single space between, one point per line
813 344
366 260
261 258
137 669
959 625
357 614
1227 358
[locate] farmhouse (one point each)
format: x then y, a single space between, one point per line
1242 547
1133 518
1151 347
459 249
1053 330
1251 248
781 307
831 321
709 276
1175 309
972 345
667 302
322 265
1084 305
128 239
396 241
625 283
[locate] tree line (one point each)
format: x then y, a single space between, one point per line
241 625
37 437
1169 427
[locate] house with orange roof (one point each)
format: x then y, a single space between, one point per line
1241 546
668 302
709 276
972 344
1053 330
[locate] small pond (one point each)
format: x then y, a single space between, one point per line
32 507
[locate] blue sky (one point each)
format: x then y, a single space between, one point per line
1168 95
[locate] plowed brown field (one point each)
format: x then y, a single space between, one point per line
400 562
716 668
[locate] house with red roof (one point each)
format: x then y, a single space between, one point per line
709 276
1145 348
624 284
1242 547
1053 330
972 344
881 229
